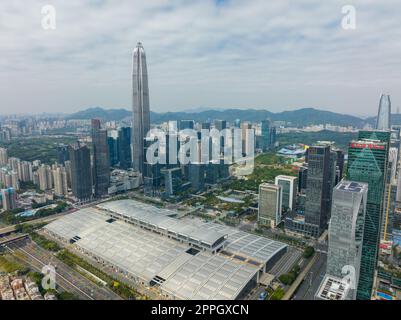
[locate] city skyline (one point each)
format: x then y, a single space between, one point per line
241 205
297 56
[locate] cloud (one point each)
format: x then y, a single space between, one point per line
276 55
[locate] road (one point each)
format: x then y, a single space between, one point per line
11 228
311 282
255 293
287 261
67 278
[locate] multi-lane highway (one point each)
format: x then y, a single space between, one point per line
287 262
312 280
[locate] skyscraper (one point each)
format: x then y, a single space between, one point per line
265 131
187 124
270 203
220 124
346 229
124 147
101 160
140 106
289 185
367 162
62 153
340 166
112 143
81 181
384 115
319 187
152 175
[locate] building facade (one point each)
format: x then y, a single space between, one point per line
346 231
101 160
140 107
289 186
270 204
383 121
367 162
81 179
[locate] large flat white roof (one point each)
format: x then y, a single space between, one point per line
148 255
161 218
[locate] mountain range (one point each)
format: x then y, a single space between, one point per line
301 117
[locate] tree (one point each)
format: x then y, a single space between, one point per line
308 252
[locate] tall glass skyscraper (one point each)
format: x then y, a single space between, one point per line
384 115
367 162
346 229
265 131
101 160
289 185
124 147
140 106
319 186
81 180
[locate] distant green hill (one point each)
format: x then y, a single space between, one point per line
100 113
300 117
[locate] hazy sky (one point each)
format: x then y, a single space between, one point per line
271 54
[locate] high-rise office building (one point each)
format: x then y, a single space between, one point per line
268 132
270 203
319 187
196 175
152 174
206 125
273 137
101 161
220 124
62 154
68 171
383 121
81 180
248 138
265 131
289 186
340 166
112 144
367 162
346 231
140 107
187 124
8 198
124 147
173 180
302 178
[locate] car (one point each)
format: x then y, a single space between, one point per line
263 295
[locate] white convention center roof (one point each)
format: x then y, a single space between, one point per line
148 255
